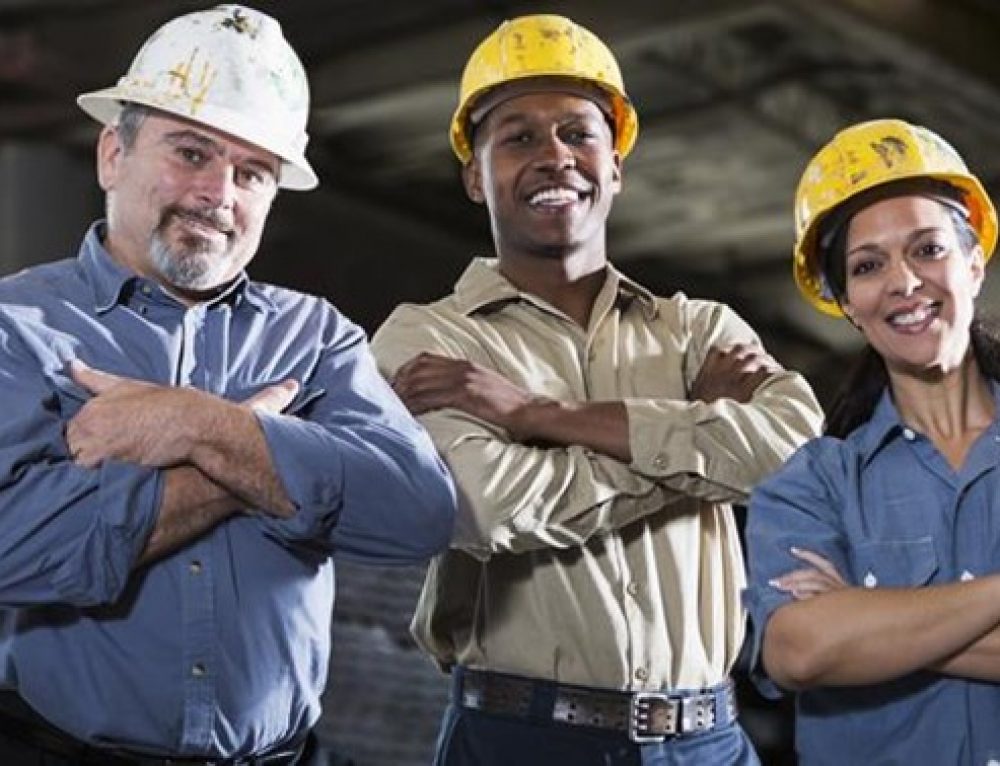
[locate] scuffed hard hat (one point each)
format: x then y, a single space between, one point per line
863 158
542 46
228 68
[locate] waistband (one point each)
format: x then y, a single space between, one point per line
643 716
19 721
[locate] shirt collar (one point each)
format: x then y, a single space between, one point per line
885 423
113 283
482 286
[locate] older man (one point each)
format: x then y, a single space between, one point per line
183 450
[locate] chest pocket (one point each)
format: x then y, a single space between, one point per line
895 563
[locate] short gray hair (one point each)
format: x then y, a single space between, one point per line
129 121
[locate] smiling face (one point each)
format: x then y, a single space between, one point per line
911 284
186 204
545 167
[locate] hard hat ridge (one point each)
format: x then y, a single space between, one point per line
229 68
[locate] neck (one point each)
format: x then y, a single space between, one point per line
951 409
570 284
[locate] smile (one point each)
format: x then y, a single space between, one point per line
916 318
555 197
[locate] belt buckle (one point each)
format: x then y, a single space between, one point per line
641 710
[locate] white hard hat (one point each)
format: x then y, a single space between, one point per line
228 68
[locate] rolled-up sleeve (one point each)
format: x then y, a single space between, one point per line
363 475
718 451
797 507
67 534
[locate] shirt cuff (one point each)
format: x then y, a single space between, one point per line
661 438
127 501
310 472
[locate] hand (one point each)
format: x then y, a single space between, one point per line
819 577
734 372
144 423
431 382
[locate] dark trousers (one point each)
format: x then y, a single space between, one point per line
472 738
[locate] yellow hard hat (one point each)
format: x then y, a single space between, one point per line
862 157
542 45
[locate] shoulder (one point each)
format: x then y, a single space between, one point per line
438 327
295 312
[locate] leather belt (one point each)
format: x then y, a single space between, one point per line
644 716
19 721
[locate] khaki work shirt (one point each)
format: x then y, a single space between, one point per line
570 565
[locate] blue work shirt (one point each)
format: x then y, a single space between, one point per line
221 648
887 509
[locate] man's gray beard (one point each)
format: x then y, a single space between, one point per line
190 267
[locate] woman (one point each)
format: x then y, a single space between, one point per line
874 552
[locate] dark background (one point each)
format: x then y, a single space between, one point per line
733 96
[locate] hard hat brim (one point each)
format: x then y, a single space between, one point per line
296 173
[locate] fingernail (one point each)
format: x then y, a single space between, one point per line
774 583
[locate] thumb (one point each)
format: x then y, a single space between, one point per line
95 381
274 398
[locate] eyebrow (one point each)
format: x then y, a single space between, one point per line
913 237
177 137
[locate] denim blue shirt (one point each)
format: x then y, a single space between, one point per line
221 648
889 511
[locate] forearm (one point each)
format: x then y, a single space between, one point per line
979 660
857 636
191 505
231 450
598 426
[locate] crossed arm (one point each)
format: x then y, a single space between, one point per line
834 634
213 452
431 382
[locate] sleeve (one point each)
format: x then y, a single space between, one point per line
799 506
364 476
513 497
718 451
69 534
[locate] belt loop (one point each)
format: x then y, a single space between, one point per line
457 684
543 699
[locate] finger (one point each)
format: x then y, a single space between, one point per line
95 381
820 562
275 398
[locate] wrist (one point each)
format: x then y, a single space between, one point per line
535 418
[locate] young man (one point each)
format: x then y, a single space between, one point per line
182 450
589 611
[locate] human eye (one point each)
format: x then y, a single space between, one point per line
860 267
254 177
931 249
192 155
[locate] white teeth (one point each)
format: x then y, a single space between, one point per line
911 317
554 197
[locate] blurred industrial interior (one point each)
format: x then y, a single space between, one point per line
733 98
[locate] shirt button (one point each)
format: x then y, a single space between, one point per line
195 567
871 580
966 576
908 434
198 670
147 290
641 674
660 462
633 588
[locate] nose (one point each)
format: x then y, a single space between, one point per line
903 277
555 154
216 185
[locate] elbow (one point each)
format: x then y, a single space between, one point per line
794 657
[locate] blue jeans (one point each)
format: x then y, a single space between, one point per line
472 738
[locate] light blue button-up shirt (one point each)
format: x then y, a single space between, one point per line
220 649
886 508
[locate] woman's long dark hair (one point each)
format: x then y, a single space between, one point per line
854 403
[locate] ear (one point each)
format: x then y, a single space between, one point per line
616 174
472 179
977 266
109 155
